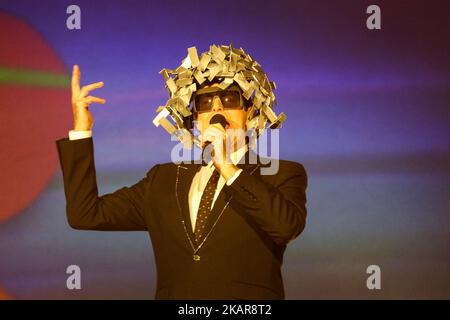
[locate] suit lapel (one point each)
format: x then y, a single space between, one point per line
185 175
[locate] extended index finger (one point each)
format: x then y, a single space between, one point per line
75 80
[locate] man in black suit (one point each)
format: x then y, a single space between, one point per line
218 230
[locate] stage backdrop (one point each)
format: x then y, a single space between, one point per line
367 114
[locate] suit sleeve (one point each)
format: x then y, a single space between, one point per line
279 210
121 210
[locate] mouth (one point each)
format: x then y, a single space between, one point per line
227 125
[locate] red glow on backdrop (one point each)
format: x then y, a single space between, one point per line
33 114
4 295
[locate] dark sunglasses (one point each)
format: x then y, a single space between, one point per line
231 99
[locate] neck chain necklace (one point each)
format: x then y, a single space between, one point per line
195 250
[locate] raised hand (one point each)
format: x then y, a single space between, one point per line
81 100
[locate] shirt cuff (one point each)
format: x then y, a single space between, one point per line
234 177
76 135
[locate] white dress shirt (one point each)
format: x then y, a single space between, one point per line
200 179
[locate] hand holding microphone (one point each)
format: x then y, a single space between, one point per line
214 136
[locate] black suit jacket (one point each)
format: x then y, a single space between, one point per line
250 224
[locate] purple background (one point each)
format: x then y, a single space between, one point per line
367 114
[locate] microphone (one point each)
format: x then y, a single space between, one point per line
206 156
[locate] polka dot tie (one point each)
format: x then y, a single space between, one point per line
205 205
